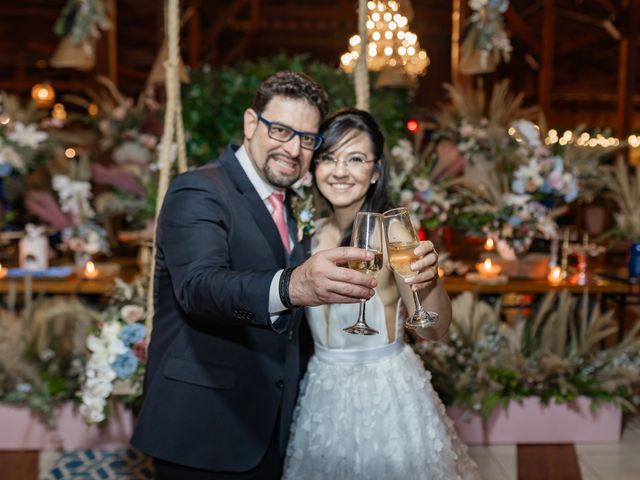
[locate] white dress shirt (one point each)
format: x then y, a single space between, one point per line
264 190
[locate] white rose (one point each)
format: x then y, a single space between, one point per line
132 313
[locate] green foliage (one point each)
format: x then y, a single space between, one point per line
215 100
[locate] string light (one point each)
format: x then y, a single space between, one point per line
584 139
390 44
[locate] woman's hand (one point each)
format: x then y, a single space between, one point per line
425 268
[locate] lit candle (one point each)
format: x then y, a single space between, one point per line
3 271
489 244
488 268
440 272
556 275
90 271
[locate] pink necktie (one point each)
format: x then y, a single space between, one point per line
276 199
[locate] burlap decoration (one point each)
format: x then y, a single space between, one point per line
474 60
69 55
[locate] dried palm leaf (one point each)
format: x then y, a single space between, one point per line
60 323
624 190
13 342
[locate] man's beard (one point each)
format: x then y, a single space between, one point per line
277 179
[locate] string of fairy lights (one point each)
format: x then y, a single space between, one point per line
585 139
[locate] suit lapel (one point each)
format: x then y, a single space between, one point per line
254 203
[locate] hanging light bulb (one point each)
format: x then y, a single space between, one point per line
390 43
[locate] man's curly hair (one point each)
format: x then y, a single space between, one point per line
294 85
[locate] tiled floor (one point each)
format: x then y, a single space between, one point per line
618 461
496 462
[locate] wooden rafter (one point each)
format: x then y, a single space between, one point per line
545 81
522 30
194 34
240 45
586 40
212 35
627 68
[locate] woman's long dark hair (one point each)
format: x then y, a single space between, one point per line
334 130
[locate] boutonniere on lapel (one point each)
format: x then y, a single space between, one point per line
302 206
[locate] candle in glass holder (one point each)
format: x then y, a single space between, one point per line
3 271
556 276
91 272
489 245
488 269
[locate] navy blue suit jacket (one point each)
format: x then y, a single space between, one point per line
219 372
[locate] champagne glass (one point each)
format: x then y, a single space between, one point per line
401 241
366 234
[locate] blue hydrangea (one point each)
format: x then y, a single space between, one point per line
518 186
133 333
515 220
125 364
5 169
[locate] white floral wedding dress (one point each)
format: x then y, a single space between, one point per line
367 409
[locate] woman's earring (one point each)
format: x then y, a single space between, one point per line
373 182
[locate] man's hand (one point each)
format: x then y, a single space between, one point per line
325 278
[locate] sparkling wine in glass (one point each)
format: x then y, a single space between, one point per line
401 239
366 234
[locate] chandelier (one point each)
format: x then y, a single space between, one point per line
390 43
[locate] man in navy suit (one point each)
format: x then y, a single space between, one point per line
225 355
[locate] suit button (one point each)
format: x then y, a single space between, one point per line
290 334
280 384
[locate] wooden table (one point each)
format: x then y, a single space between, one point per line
457 284
72 284
605 289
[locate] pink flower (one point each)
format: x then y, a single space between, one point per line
140 351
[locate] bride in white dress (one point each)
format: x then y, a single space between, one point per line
366 408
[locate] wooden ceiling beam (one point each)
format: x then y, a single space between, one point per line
627 68
195 32
586 40
547 54
520 27
213 33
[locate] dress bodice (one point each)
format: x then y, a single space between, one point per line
327 322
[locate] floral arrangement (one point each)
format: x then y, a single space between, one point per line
22 138
129 135
513 186
303 208
42 351
486 40
83 20
117 352
418 182
84 237
485 362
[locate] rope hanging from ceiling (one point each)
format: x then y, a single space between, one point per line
361 74
173 129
